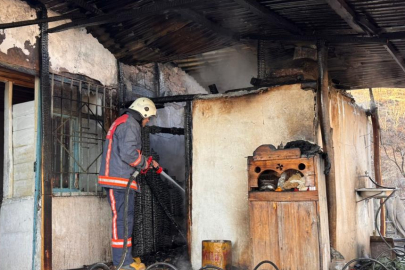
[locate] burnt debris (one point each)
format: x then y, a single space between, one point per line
310 149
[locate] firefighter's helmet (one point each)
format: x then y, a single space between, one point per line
144 106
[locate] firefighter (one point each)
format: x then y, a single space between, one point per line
121 157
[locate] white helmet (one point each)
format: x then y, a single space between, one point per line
144 106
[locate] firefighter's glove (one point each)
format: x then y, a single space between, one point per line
147 165
155 164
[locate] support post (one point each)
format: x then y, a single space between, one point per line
8 141
46 145
327 137
377 154
188 177
121 86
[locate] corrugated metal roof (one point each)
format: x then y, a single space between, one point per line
186 33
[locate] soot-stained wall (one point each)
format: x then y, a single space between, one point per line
225 131
154 80
351 142
73 51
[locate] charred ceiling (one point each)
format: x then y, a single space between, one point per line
366 37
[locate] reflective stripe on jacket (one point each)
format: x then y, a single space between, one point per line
121 153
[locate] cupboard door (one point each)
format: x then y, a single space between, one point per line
298 235
285 233
264 233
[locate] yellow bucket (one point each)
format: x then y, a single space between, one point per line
217 253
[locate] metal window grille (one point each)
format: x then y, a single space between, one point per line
82 113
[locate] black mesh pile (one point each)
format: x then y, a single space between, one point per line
177 256
153 230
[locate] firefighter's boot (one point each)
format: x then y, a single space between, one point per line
137 264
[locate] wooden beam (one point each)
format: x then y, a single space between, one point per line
127 15
314 38
395 54
327 138
91 8
346 13
269 15
376 149
8 141
47 175
17 78
202 20
39 21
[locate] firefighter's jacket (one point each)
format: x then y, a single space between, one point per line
121 153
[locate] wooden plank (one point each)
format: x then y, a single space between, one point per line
263 232
327 138
202 20
17 78
346 13
273 196
375 122
8 141
269 15
395 55
324 243
298 235
268 151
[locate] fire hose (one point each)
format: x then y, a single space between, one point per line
159 170
124 254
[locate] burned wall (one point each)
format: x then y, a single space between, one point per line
153 80
225 131
18 46
351 141
73 51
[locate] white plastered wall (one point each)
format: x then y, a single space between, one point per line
225 131
17 210
351 142
81 231
73 51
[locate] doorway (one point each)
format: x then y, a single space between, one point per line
2 89
15 89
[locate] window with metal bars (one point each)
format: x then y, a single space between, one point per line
82 113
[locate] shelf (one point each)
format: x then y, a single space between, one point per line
274 196
374 193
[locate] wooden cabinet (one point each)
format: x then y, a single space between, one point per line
288 228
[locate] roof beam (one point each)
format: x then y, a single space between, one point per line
395 54
267 14
91 8
314 38
148 10
347 14
202 20
38 21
